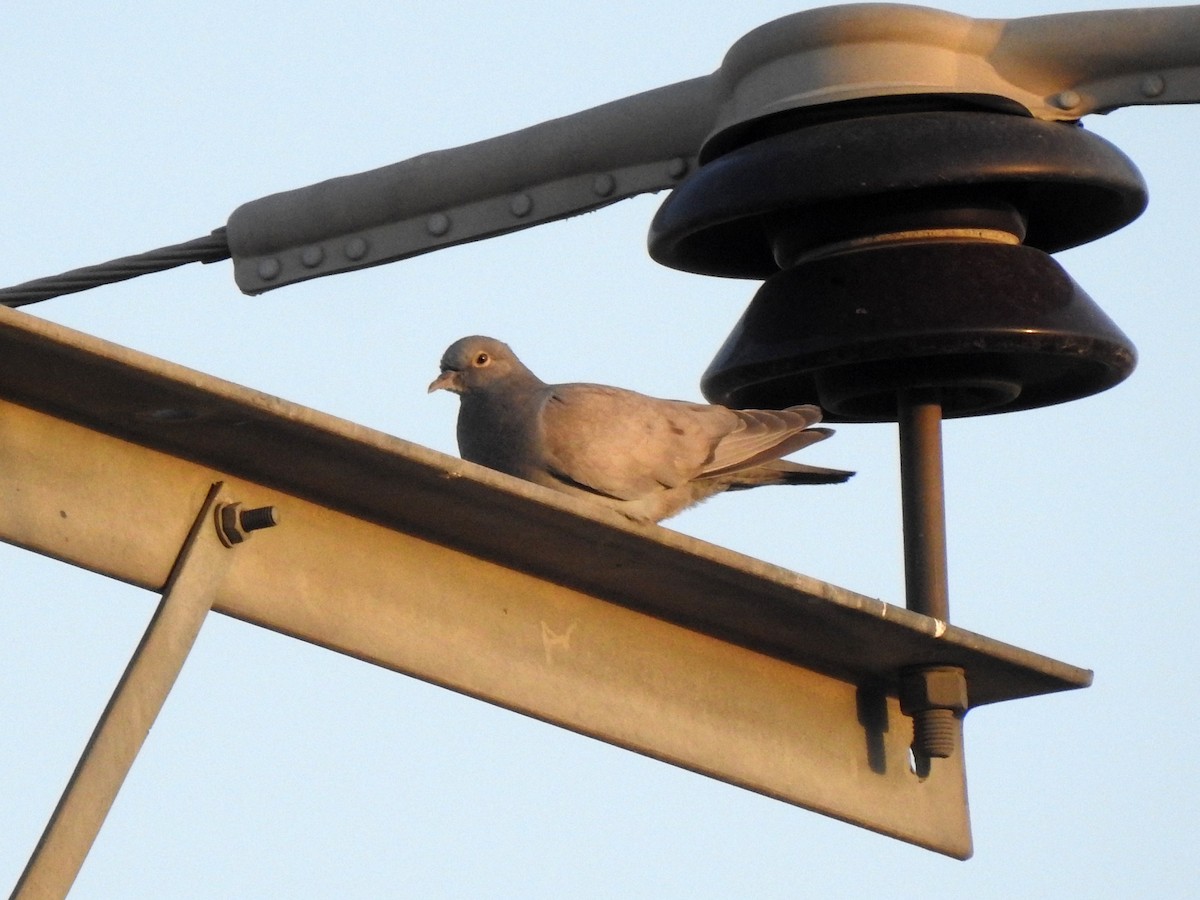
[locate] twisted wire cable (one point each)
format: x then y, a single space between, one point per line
209 249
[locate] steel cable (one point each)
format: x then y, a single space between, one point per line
212 248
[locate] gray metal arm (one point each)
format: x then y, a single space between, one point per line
1058 67
551 171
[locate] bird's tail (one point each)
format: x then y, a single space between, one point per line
781 471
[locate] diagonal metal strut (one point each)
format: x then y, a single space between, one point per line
187 597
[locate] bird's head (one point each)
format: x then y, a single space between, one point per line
476 362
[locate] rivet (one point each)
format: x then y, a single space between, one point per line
269 268
1153 86
677 168
355 248
438 224
1066 99
520 205
312 257
604 185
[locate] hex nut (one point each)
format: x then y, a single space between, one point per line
933 687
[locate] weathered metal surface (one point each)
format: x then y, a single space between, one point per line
131 712
1056 68
466 578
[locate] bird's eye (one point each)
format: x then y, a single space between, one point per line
482 359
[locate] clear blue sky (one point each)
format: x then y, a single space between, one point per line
278 769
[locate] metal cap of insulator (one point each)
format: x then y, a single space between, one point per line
995 327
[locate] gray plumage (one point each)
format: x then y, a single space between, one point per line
644 457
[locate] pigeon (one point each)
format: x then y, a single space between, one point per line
646 458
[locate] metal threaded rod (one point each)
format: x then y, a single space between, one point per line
935 732
258 518
923 497
212 248
935 711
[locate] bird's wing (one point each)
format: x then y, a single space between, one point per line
626 445
762 435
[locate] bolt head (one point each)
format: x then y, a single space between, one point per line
1066 100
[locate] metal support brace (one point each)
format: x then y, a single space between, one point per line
934 696
187 597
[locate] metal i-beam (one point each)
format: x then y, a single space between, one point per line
490 586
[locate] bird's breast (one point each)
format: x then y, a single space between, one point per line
500 433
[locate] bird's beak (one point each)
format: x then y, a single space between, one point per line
447 381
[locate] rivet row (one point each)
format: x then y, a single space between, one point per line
521 205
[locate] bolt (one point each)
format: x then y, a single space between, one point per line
1066 100
1153 86
677 168
269 268
355 248
438 224
935 697
603 185
312 257
934 731
234 524
520 205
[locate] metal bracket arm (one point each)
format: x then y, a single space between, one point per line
492 587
